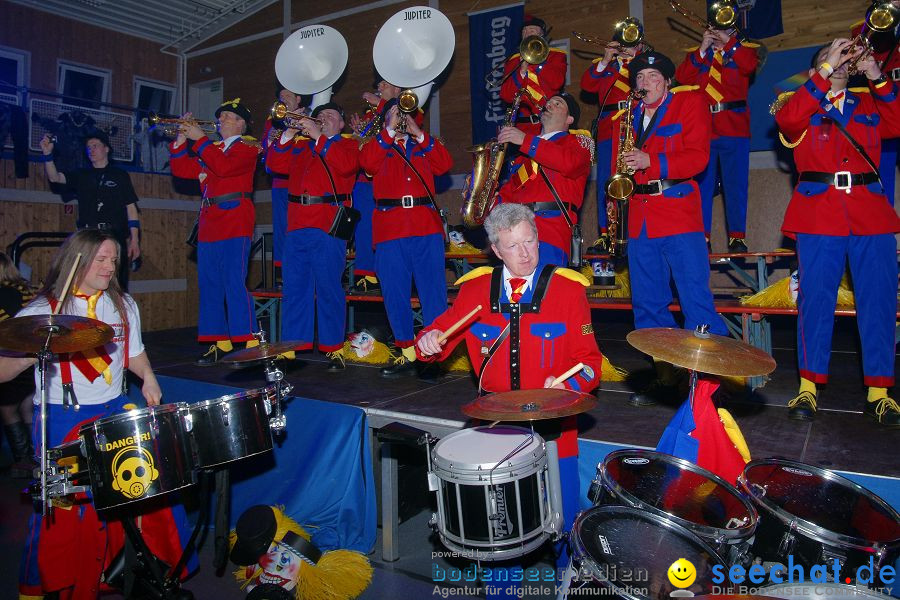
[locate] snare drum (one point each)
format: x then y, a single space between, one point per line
816 516
230 427
137 454
679 490
493 492
628 551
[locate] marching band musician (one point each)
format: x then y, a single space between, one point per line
227 215
665 224
534 325
274 128
564 158
407 228
541 81
839 212
322 166
608 78
722 67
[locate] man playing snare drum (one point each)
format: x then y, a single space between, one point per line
83 386
549 322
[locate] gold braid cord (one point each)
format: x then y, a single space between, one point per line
788 144
587 142
779 102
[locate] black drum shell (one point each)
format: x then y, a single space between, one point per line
229 428
148 445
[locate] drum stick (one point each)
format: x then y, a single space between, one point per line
452 329
567 374
65 291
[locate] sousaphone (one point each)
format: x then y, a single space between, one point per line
311 60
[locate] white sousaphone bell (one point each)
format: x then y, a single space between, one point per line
411 49
311 60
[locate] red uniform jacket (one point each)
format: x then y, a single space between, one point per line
678 145
220 173
566 159
739 62
307 175
551 78
550 342
279 179
868 117
610 89
392 179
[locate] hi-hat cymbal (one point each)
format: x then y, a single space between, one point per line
71 333
261 352
704 353
529 405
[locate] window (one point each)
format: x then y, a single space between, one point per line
13 72
82 85
153 96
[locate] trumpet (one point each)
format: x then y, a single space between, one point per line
880 17
533 49
172 125
407 103
628 32
720 14
291 118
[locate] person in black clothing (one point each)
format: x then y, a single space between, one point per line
106 198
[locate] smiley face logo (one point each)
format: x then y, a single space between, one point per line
682 573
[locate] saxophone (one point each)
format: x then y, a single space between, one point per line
487 164
620 186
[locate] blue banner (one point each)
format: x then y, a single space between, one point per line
758 19
494 34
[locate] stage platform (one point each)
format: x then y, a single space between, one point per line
841 438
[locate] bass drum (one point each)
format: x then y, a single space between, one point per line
231 427
817 516
679 490
629 552
137 455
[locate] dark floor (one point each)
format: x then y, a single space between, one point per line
840 438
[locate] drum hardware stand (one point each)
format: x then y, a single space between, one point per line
158 585
278 421
43 356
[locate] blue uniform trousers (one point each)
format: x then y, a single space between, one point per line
873 265
604 169
888 166
733 155
226 309
313 291
399 263
364 202
653 263
279 223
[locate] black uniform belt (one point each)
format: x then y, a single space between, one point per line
727 106
537 206
105 227
533 119
407 201
306 199
278 176
656 187
225 198
620 105
842 180
895 73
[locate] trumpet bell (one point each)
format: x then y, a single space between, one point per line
414 46
629 32
407 101
311 59
882 16
722 14
279 110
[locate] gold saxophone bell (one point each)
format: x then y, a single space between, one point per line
171 126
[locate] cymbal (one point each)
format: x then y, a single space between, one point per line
529 405
261 352
704 353
71 333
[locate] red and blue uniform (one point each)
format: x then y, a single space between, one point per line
407 230
314 260
566 160
612 87
542 82
227 218
279 198
665 224
550 332
838 211
724 76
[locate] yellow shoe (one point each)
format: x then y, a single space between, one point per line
802 407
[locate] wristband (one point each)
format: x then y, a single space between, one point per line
828 66
45 158
136 224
